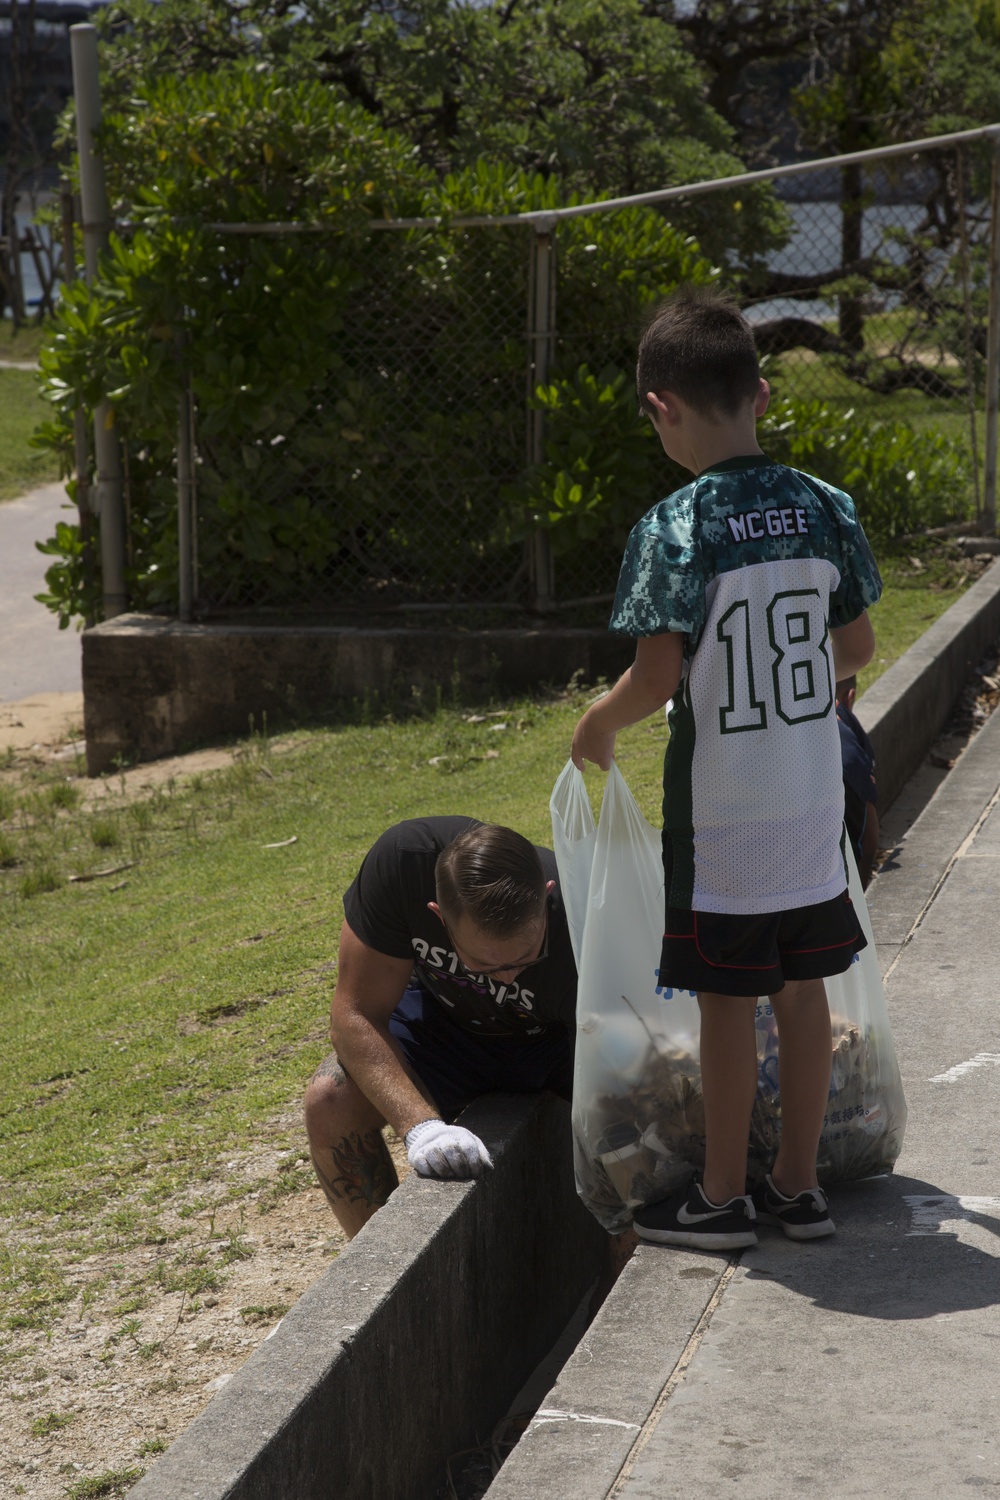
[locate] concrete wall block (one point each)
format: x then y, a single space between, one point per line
909 705
415 1340
155 687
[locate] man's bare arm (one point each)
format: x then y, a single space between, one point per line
369 987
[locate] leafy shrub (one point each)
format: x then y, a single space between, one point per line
256 320
360 396
604 467
900 479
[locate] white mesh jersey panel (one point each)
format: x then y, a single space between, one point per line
767 795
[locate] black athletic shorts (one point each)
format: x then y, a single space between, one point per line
457 1067
756 955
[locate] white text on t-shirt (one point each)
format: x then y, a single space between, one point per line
786 520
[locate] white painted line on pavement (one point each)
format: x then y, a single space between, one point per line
552 1414
981 1060
942 1213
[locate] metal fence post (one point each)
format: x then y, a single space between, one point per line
81 445
107 502
993 356
185 506
542 331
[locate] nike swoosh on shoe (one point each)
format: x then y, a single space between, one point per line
683 1217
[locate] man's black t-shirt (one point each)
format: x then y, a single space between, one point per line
386 907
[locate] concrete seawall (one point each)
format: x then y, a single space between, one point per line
415 1340
909 705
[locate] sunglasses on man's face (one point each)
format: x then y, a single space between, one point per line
512 968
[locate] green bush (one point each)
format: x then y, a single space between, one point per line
604 467
900 479
255 321
360 395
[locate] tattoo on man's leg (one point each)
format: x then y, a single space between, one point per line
363 1170
330 1068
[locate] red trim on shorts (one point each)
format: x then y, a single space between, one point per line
828 948
760 968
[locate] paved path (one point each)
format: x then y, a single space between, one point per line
871 1365
35 655
866 1365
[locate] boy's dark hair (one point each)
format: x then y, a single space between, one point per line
698 345
493 876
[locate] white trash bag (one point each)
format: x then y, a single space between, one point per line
638 1116
866 1113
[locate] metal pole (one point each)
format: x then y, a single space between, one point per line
81 446
970 356
993 357
107 501
541 345
192 416
185 470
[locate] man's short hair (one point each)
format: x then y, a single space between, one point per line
493 876
698 345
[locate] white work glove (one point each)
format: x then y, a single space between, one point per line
435 1149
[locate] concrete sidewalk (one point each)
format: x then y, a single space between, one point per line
35 655
864 1365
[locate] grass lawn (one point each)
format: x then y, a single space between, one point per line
917 590
21 409
24 344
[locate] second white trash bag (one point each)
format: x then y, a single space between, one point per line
638 1117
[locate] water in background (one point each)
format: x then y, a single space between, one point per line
814 247
29 277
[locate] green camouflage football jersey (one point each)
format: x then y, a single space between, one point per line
752 562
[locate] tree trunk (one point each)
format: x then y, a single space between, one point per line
851 312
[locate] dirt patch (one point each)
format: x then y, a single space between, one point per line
46 730
39 725
119 1376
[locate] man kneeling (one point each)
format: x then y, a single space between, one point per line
456 979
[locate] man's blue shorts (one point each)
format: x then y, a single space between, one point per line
457 1067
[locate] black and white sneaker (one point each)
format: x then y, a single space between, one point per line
689 1218
804 1217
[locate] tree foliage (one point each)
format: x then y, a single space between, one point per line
858 73
595 93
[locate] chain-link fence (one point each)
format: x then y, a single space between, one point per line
465 436
375 477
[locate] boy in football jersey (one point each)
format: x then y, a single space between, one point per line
747 591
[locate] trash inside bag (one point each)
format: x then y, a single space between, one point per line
638 1115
